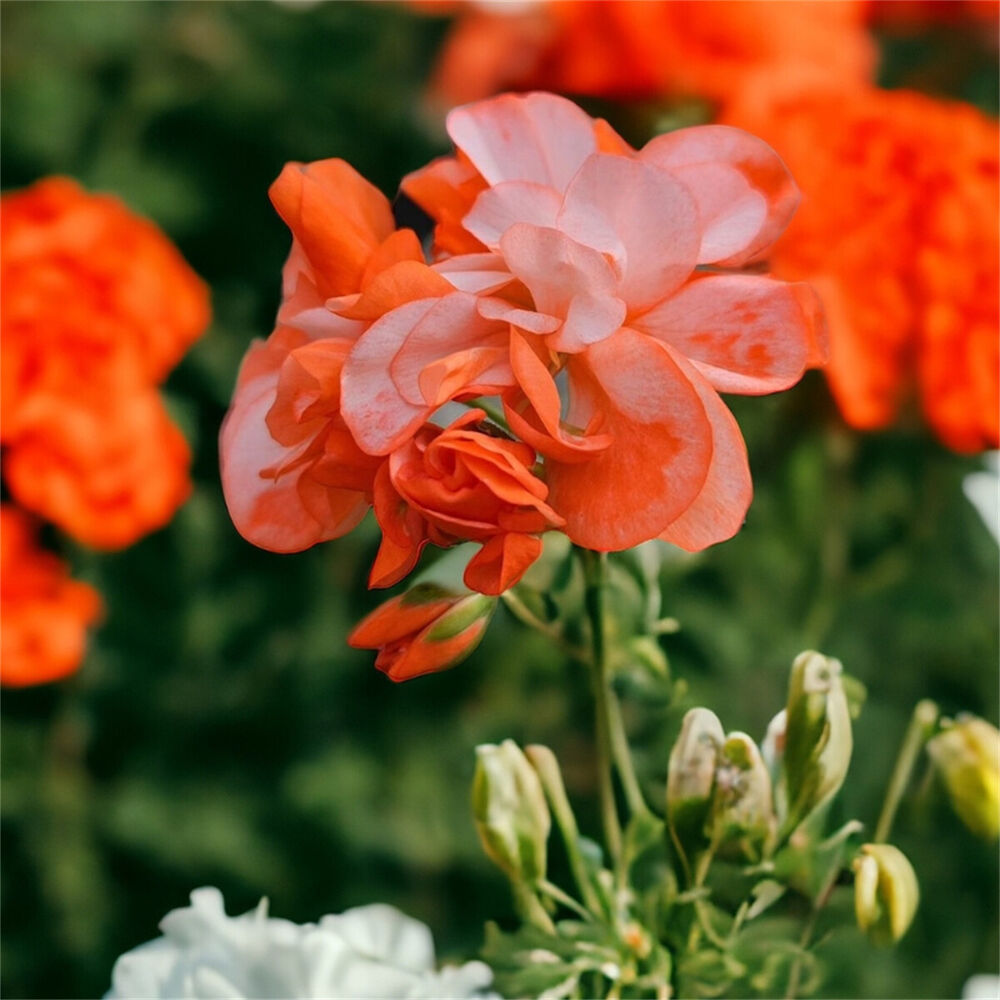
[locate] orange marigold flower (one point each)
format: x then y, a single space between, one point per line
646 48
97 307
898 231
423 631
459 484
43 613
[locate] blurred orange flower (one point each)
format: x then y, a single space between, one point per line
43 613
898 231
645 48
97 307
423 631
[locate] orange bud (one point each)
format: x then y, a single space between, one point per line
425 630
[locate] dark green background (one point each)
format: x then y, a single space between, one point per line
221 732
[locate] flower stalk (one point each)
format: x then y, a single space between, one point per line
922 723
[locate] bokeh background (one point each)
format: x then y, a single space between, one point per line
221 732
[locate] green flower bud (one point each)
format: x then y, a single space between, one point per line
742 807
818 739
967 756
886 893
508 805
691 774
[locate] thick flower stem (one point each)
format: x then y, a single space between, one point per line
595 569
922 723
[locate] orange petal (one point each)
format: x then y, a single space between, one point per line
501 563
338 218
661 445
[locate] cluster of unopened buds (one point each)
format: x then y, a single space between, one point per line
553 363
737 836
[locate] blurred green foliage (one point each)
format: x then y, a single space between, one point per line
221 732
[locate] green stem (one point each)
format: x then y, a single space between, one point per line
552 890
595 570
547 767
700 874
526 616
623 758
530 908
922 722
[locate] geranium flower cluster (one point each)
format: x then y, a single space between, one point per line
97 307
585 300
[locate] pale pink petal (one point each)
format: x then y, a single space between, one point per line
732 211
524 137
660 452
479 273
372 407
719 510
500 207
270 512
640 215
455 326
745 333
568 280
524 319
389 372
690 151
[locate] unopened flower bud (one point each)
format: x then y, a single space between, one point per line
773 747
886 893
743 807
508 805
818 739
427 629
691 774
967 756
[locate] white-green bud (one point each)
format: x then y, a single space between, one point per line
509 808
742 807
691 775
886 893
818 741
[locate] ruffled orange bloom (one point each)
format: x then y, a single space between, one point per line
459 484
898 232
646 48
97 307
423 631
291 472
43 613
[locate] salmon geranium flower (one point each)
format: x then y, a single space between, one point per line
423 631
44 614
597 294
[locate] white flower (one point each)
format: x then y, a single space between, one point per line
365 953
983 492
981 988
